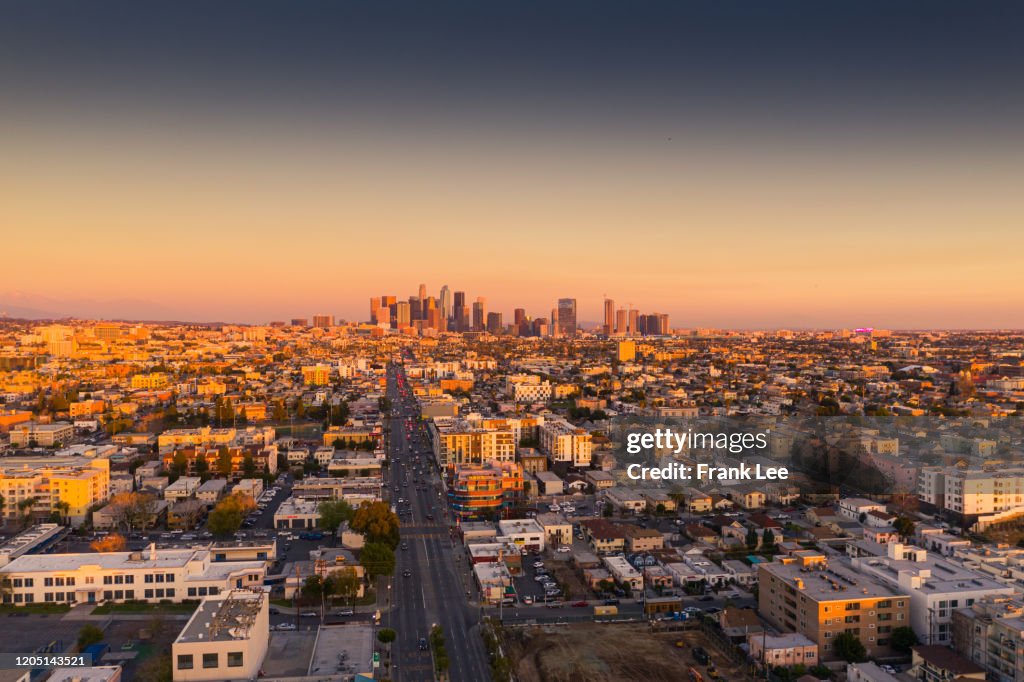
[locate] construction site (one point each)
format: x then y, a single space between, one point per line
595 652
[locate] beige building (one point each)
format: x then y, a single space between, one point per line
226 638
35 434
563 442
68 485
457 442
802 593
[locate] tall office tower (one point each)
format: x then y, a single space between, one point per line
446 303
539 327
462 318
620 322
433 319
388 301
609 317
567 316
663 327
633 321
423 292
323 321
553 327
479 314
403 317
459 300
300 322
374 309
415 308
519 322
494 323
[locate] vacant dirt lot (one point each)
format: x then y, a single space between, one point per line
591 652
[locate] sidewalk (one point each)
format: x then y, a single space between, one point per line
83 612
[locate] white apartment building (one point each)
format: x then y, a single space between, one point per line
149 575
563 442
528 388
936 586
973 492
853 507
226 638
184 488
41 435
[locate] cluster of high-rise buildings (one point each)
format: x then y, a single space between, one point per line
453 311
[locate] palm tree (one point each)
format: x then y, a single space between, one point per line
25 507
64 509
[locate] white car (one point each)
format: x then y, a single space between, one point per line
285 626
538 564
564 550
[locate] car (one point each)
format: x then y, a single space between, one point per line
564 549
538 564
423 643
527 599
886 668
614 602
128 646
346 612
286 626
405 545
407 573
581 603
309 614
555 604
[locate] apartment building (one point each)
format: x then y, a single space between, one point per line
523 533
973 492
990 633
183 488
527 388
34 434
623 572
563 442
149 575
225 639
209 436
786 650
936 586
68 485
457 442
802 593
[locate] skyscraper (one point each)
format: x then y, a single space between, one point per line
634 316
553 327
446 303
620 322
479 314
494 325
609 317
567 316
415 308
402 315
423 292
323 321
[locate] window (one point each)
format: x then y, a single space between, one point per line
71 581
191 591
108 580
129 594
168 577
214 590
29 582
107 594
119 580
170 593
47 582
159 577
129 579
148 593
234 659
149 578
210 660
184 661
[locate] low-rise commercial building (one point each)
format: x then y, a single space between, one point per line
226 638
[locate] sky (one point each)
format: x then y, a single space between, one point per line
732 164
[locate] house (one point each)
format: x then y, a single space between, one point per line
939 662
557 529
784 650
748 497
625 499
697 502
642 539
740 573
604 537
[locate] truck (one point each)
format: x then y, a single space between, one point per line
606 610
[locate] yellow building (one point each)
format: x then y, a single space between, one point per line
78 482
316 375
151 381
627 351
203 436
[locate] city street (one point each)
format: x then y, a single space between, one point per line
435 590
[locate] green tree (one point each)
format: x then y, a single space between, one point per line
386 636
226 518
377 523
905 526
248 466
312 589
89 635
333 513
377 559
25 509
224 461
768 538
752 538
849 647
156 669
903 638
342 583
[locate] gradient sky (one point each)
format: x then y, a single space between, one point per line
733 164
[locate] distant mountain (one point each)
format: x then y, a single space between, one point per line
33 307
